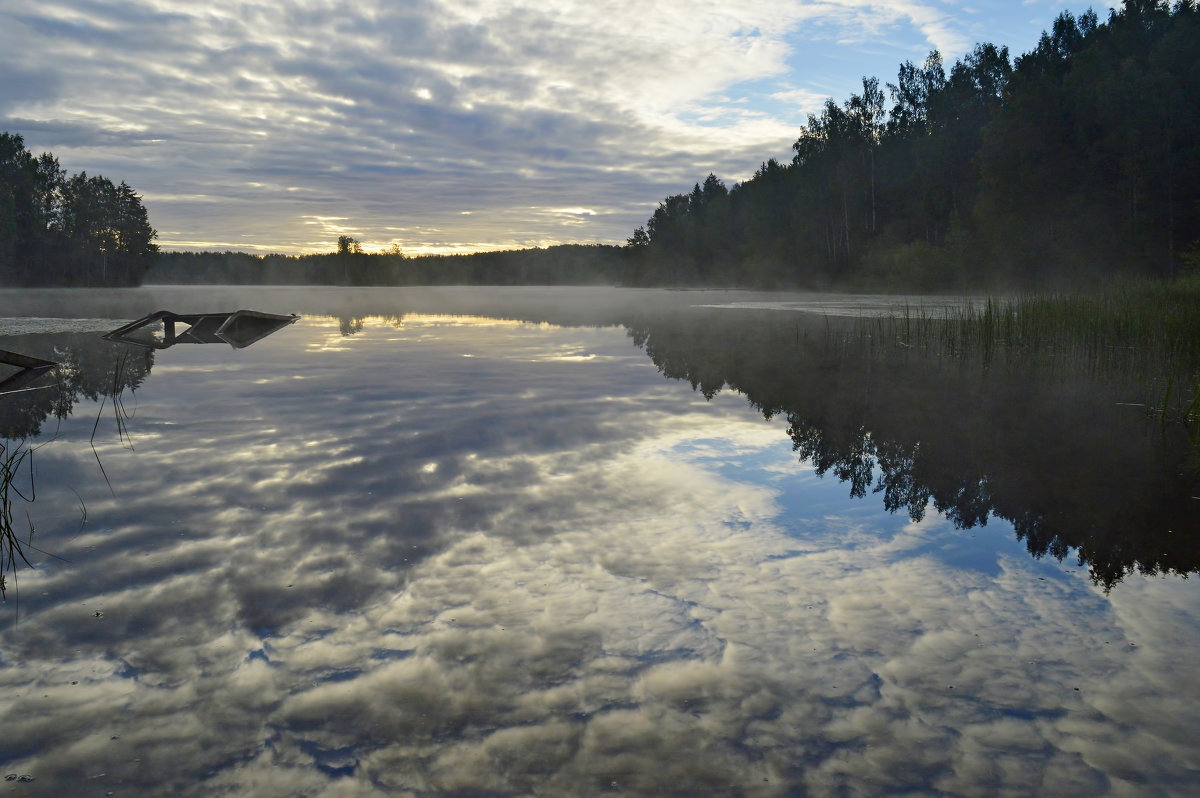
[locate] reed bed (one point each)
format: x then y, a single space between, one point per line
1145 333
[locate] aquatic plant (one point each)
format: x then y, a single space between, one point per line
1144 332
15 458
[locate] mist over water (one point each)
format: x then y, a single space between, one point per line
563 541
565 305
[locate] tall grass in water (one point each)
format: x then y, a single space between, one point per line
15 458
1145 333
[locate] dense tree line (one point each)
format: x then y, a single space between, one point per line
568 264
1079 158
60 230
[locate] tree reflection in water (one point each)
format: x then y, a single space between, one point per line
1063 453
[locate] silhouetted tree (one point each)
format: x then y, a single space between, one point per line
68 231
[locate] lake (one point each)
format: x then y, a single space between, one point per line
581 542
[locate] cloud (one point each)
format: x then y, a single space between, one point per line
240 120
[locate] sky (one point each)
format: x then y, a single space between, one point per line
446 126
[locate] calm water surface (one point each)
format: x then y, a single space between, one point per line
573 542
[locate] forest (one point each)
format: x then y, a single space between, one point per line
60 230
1078 160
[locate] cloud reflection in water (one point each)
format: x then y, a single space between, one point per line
439 556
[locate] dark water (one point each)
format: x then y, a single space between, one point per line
579 542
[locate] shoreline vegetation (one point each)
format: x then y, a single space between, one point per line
1145 332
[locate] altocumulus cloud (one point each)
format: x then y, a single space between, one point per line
439 125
